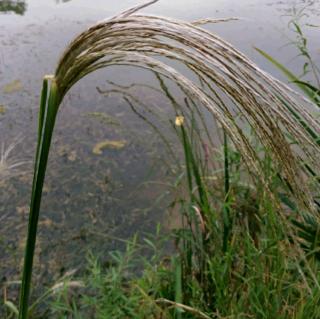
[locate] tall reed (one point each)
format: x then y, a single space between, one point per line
230 84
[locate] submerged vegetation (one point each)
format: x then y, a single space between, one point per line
246 199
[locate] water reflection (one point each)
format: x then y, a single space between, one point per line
18 7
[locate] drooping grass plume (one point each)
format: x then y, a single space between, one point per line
255 94
233 89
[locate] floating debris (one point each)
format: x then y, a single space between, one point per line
72 156
67 152
99 147
47 222
12 87
22 210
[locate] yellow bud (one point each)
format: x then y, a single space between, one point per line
179 120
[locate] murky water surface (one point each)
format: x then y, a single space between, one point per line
107 167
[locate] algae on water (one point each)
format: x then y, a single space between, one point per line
2 109
104 117
12 87
99 147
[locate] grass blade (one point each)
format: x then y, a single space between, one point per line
291 77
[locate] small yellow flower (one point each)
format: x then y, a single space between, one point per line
179 120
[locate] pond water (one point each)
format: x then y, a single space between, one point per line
90 198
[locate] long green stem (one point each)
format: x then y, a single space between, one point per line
226 210
47 118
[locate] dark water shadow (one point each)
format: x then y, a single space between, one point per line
61 1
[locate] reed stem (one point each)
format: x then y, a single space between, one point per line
226 209
47 116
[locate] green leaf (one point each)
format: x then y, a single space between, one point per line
12 307
291 77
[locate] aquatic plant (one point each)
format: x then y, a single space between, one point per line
232 88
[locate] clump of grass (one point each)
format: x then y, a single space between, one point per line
246 282
9 166
232 89
307 226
